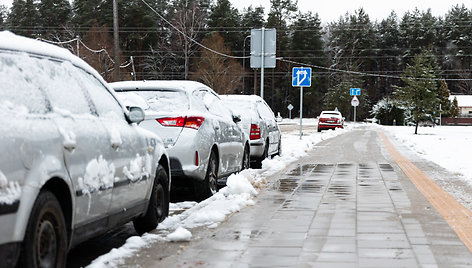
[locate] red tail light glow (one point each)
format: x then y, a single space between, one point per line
196 158
255 133
182 121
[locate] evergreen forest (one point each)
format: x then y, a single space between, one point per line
177 39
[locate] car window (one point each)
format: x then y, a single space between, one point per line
215 106
165 100
19 91
105 104
264 111
64 90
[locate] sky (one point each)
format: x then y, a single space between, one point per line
331 10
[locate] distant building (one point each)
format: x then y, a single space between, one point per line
465 104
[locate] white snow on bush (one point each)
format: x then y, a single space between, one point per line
241 190
179 235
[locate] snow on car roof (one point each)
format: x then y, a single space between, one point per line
253 98
13 42
183 85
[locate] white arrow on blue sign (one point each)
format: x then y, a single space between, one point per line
355 91
301 77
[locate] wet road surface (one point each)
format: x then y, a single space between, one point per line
346 205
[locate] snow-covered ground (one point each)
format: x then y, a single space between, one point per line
241 191
447 146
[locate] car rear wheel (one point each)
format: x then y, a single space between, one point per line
45 243
209 186
158 208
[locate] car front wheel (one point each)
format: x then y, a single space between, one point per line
209 186
158 208
45 243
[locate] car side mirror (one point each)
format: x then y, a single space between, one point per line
135 115
236 118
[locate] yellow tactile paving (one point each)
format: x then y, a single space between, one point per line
455 214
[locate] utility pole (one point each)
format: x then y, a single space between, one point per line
116 41
186 41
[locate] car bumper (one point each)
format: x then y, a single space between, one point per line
256 148
9 253
330 126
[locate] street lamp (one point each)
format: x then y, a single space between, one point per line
244 59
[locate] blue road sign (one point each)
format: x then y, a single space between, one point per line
301 77
355 91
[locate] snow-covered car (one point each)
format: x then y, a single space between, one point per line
330 120
74 163
200 133
259 123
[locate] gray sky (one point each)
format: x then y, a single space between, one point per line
331 10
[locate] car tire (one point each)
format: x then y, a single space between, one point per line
158 208
279 149
319 129
209 186
246 158
45 243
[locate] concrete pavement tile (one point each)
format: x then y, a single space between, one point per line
388 253
287 236
418 240
382 237
387 263
426 259
379 229
277 243
342 232
339 247
343 257
422 249
270 261
318 232
383 244
328 265
257 251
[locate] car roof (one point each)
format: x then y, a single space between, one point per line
12 42
241 98
182 85
330 112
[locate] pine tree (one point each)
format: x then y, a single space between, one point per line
23 18
224 19
252 17
455 108
443 96
420 91
54 15
3 16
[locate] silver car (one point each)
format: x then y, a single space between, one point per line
258 121
200 133
74 163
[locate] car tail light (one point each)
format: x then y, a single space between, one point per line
194 122
188 121
255 133
196 158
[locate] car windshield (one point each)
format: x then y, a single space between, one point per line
330 114
165 100
238 105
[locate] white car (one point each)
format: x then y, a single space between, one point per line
259 123
200 133
74 163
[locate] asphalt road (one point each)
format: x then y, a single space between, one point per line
348 204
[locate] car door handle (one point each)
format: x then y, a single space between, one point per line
70 145
115 145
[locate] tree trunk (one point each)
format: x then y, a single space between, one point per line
416 127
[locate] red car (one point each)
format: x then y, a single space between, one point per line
330 120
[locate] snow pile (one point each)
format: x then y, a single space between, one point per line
447 146
181 234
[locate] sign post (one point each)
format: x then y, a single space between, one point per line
290 107
355 103
263 49
301 77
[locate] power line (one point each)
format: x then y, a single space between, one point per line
190 38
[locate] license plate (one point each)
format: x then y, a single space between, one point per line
330 121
